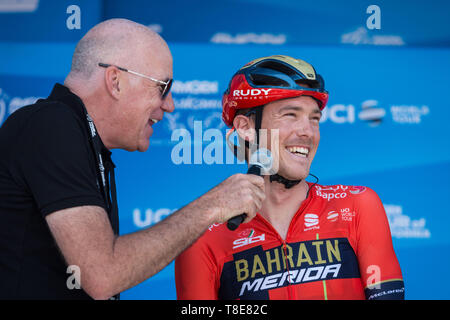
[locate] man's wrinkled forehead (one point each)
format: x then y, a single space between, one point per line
298 109
159 60
147 52
299 104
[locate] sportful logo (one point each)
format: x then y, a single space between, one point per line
311 222
311 219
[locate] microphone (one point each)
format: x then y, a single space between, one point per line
260 163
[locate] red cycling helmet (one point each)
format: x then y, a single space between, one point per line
269 79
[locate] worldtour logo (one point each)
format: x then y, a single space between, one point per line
344 114
373 114
253 273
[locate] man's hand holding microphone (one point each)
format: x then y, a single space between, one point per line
237 199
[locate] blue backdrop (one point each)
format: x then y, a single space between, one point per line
384 127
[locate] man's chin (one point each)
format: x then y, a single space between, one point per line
143 146
293 176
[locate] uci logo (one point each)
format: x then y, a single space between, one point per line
251 92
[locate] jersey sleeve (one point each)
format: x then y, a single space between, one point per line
53 163
196 273
380 271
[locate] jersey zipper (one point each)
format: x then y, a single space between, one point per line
284 252
324 284
291 295
289 286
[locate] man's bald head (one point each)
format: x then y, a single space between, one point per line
117 41
123 105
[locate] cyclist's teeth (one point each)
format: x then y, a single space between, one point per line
298 150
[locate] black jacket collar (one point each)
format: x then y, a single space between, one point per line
63 94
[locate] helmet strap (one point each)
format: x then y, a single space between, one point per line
286 182
258 121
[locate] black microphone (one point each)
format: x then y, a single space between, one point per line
260 163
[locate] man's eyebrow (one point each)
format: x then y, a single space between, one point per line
298 108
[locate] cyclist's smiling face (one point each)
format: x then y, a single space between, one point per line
297 121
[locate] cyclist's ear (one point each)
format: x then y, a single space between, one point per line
245 128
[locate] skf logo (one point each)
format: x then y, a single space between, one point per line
251 92
248 240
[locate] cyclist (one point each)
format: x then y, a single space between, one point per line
308 241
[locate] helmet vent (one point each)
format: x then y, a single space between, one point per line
267 80
308 83
277 67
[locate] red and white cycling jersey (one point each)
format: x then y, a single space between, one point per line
338 246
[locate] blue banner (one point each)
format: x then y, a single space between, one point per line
385 125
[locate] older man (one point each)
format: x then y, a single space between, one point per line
58 212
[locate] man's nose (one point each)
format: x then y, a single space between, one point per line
304 128
168 104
